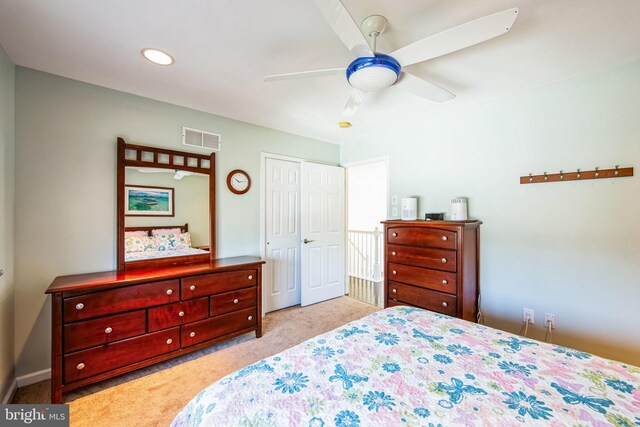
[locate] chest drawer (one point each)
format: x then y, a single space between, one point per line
232 301
121 299
431 279
423 298
438 259
177 314
93 361
423 237
103 330
215 283
214 327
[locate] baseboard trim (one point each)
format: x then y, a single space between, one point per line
34 377
10 392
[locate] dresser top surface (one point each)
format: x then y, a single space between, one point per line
110 278
472 223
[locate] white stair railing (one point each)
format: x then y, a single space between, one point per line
364 264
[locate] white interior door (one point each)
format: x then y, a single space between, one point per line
323 233
282 229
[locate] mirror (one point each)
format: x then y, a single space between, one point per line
165 207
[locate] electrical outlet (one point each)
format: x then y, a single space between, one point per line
394 212
394 200
550 319
528 316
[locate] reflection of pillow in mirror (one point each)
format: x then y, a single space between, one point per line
183 241
139 244
160 231
140 233
172 242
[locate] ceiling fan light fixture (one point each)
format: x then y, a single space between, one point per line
373 73
157 56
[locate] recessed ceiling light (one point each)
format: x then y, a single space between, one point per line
344 125
157 56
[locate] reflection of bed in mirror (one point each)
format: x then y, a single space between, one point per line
147 243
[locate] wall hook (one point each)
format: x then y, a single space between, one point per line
545 176
530 178
616 173
597 173
578 176
561 175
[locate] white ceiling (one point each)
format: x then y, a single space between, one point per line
223 48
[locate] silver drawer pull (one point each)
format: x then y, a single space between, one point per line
444 260
394 272
80 366
108 330
250 318
444 304
192 334
235 301
169 341
444 282
395 291
393 253
79 306
445 238
395 234
250 277
181 314
169 291
192 287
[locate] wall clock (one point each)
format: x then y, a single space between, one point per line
238 181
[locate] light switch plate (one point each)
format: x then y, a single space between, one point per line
394 200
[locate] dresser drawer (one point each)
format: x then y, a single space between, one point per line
180 313
215 283
89 333
214 327
438 259
431 279
423 237
232 301
121 299
423 298
93 361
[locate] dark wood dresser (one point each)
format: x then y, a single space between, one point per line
106 324
433 265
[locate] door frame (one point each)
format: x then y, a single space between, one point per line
346 167
263 207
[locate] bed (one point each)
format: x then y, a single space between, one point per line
151 253
408 366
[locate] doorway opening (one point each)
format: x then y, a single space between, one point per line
367 197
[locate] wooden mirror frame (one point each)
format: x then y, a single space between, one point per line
157 153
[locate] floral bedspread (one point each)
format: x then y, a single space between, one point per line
406 366
137 256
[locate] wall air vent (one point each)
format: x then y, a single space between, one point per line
201 139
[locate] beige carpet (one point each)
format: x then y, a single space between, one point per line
153 396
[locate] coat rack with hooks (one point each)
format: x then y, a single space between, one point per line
578 175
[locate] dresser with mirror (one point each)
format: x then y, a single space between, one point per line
169 295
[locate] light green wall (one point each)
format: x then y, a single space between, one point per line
7 335
191 200
65 184
572 249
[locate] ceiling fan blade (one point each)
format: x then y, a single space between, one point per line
305 74
457 38
423 88
341 22
354 101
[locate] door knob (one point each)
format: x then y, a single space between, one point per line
305 241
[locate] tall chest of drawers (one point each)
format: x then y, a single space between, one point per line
433 265
106 324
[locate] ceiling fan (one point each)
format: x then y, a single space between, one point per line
372 71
